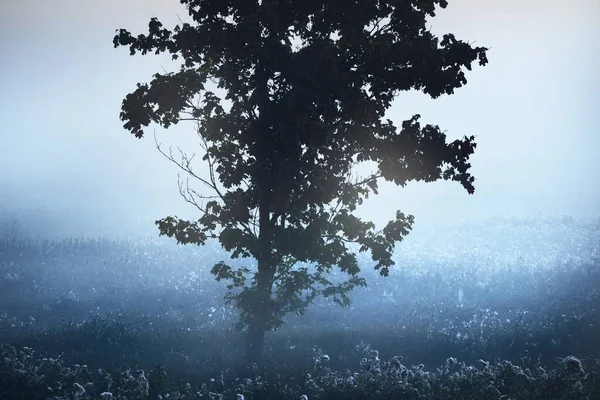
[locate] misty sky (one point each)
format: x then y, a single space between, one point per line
534 109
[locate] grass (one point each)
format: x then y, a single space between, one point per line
139 320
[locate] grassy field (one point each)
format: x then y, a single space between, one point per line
478 312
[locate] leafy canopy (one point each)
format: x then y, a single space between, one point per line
309 83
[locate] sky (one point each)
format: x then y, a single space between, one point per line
65 157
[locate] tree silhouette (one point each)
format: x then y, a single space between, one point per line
308 82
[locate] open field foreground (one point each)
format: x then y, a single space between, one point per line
509 310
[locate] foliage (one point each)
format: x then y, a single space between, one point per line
26 375
308 85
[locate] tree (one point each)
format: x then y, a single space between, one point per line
308 84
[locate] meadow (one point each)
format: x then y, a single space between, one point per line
503 310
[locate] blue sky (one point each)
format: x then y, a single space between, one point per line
534 109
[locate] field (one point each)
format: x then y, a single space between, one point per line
505 310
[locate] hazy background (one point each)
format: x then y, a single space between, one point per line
67 161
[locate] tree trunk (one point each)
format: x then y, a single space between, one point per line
258 322
261 309
255 341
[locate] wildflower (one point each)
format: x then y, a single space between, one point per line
573 364
79 390
542 372
89 387
143 384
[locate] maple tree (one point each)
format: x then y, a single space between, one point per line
308 83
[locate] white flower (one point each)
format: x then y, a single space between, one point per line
79 390
573 364
106 396
143 384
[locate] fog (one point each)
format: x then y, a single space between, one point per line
68 164
506 280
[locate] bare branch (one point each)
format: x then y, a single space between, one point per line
190 195
184 165
185 193
209 159
372 177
